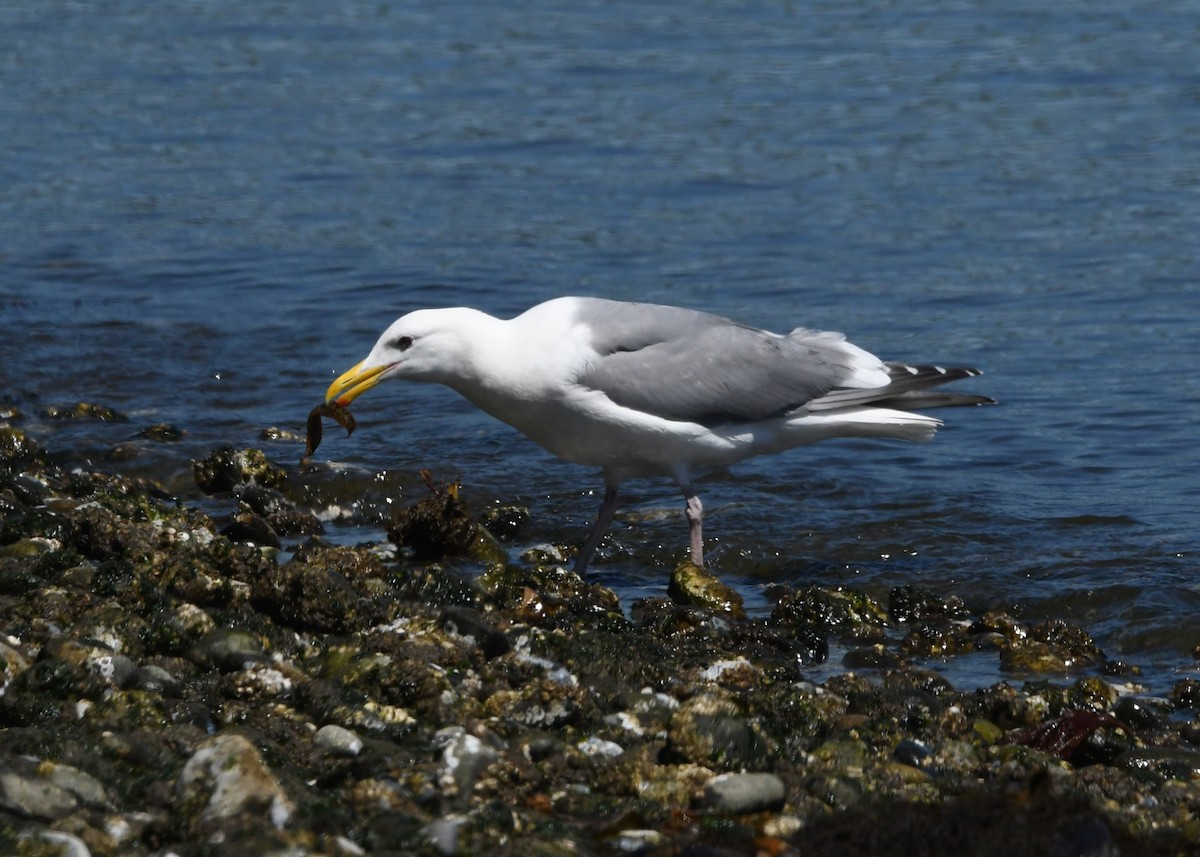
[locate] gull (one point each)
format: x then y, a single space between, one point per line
639 389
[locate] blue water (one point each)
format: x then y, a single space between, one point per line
209 209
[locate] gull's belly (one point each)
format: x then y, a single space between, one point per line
598 433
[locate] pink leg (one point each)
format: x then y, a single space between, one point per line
607 509
694 511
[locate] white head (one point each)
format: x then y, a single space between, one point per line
426 345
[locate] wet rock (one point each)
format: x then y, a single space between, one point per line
464 758
227 468
277 512
732 672
62 844
1170 762
934 641
994 622
155 679
163 432
712 730
100 664
696 587
914 604
1037 657
877 657
737 794
913 753
564 727
45 790
1186 694
1143 712
475 630
1094 693
330 702
249 528
337 740
311 598
439 526
596 746
827 610
550 596
506 523
260 682
539 705
226 785
84 411
229 649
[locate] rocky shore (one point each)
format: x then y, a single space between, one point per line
176 682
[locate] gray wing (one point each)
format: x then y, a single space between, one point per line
686 365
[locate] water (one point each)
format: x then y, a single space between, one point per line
210 209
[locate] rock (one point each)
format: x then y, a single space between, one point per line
34 797
309 597
228 468
464 758
595 746
251 529
45 790
155 679
712 730
1186 694
506 523
1143 712
338 740
66 844
470 624
259 682
695 587
1170 762
738 794
827 610
99 662
914 604
84 411
164 432
443 833
229 649
439 526
226 785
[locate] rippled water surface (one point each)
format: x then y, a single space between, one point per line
210 209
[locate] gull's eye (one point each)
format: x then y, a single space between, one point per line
403 343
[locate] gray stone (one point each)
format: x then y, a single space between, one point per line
464 758
338 740
227 781
34 797
743 793
710 729
229 649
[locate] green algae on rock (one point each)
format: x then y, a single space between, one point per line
166 688
690 584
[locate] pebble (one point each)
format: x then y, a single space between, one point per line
338 740
709 729
229 649
599 747
226 780
464 758
738 794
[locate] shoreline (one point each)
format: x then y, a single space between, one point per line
171 687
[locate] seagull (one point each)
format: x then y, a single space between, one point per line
639 389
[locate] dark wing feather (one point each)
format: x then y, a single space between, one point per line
909 388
